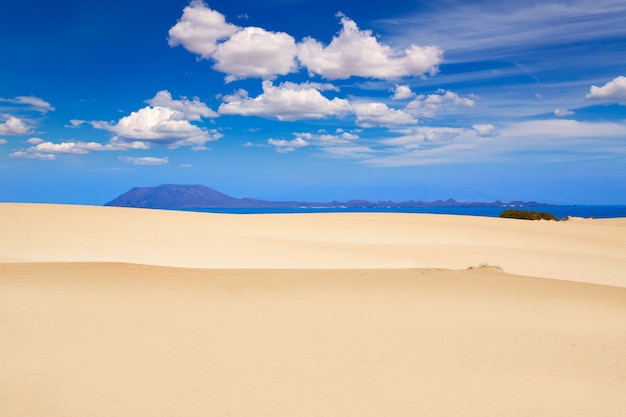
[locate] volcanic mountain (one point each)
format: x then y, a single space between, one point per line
170 196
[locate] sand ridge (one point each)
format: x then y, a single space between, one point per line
581 250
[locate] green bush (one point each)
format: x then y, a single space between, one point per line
527 215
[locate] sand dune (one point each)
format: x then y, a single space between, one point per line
581 250
308 315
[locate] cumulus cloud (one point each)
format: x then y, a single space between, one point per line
35 141
284 146
614 90
244 52
166 122
144 160
255 52
379 114
190 109
287 101
484 129
199 29
431 105
290 101
402 92
238 52
563 112
355 52
14 127
3 141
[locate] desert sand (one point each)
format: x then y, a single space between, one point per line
129 312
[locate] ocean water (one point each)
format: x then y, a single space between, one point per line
598 212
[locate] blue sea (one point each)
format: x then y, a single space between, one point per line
598 212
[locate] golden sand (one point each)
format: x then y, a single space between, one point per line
308 315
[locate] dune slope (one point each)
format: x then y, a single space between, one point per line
130 340
581 250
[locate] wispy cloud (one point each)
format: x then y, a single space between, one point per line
496 30
30 102
144 160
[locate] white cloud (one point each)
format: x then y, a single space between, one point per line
350 151
431 105
37 103
287 101
402 92
74 123
484 129
284 146
34 103
190 109
144 160
79 148
74 148
46 150
186 165
429 145
199 29
255 52
14 127
379 114
559 128
3 141
290 101
508 29
614 90
327 139
340 143
167 123
238 52
563 112
32 155
417 137
358 53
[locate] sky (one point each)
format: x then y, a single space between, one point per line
314 100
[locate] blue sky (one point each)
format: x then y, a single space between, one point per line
314 99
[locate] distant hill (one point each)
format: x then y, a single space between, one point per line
170 196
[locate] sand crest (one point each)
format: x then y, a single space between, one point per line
587 251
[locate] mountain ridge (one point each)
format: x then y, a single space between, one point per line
174 196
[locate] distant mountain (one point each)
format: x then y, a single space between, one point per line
199 196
